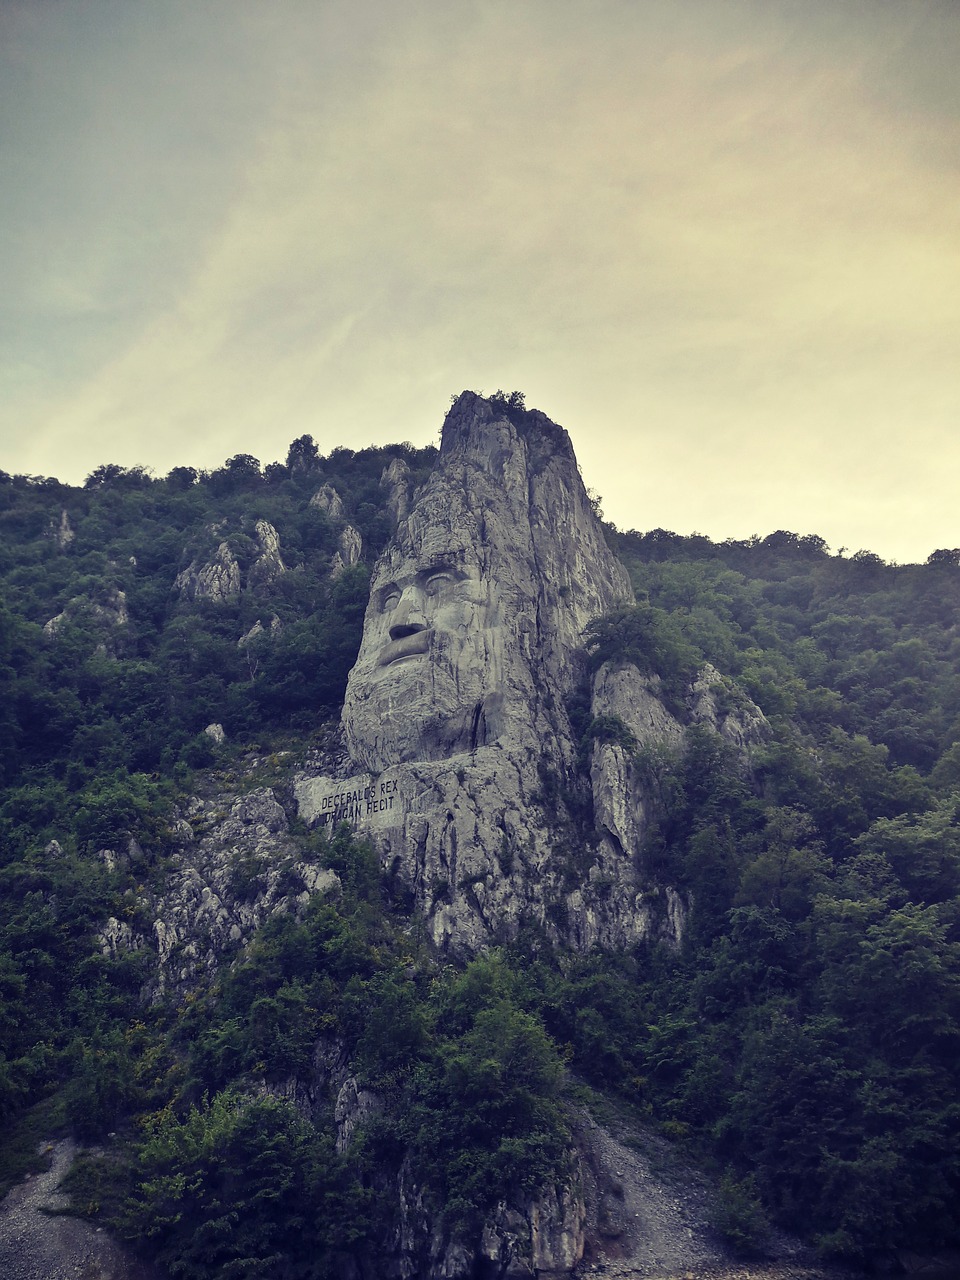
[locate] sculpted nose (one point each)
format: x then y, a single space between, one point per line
407 620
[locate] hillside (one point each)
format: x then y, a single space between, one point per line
330 1061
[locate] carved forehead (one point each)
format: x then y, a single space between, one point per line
455 523
420 548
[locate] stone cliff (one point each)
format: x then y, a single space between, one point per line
462 763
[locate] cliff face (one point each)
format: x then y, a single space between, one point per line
456 724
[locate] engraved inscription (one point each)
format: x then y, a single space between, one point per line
354 804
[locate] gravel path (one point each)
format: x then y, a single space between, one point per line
37 1246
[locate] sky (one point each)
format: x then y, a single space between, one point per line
717 240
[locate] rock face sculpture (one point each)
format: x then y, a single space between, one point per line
478 607
459 743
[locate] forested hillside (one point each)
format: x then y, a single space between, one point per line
804 1041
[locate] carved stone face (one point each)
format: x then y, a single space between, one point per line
421 602
477 607
428 671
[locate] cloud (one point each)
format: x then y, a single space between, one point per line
715 242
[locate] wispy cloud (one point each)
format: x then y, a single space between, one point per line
721 244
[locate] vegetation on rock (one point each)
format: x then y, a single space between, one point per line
805 1038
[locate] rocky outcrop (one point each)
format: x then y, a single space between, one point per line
354 1107
461 761
255 633
109 613
397 483
234 863
268 566
327 500
540 1235
259 632
220 578
474 629
740 722
61 531
349 547
625 771
118 937
217 581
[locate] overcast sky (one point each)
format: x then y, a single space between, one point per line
718 240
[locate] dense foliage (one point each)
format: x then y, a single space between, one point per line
226 1179
808 1035
136 671
806 1038
102 714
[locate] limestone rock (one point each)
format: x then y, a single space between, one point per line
268 565
622 797
349 546
256 632
235 865
354 1106
397 481
542 1235
625 776
61 531
217 733
217 581
460 750
259 632
557 1219
621 691
478 606
455 710
109 858
185 583
117 936
329 502
742 725
108 613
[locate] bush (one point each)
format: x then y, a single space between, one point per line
739 1216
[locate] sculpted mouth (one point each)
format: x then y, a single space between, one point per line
412 646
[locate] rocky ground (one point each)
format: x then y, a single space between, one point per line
38 1243
649 1216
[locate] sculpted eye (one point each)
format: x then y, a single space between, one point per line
437 583
389 601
